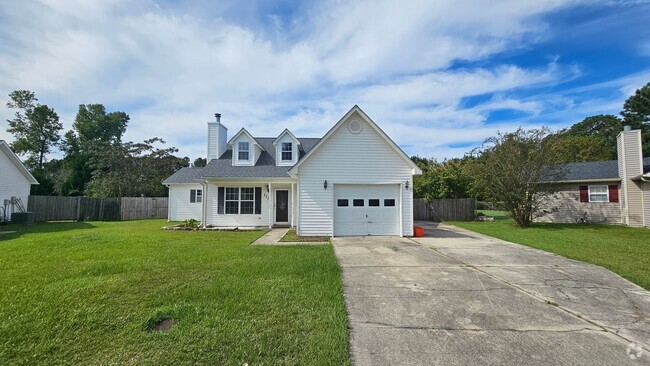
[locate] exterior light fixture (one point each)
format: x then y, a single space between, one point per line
325 184
406 185
268 188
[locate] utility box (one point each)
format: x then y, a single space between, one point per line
22 218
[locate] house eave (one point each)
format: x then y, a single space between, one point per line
584 180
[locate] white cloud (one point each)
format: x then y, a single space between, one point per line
172 67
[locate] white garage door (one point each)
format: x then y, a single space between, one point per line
366 210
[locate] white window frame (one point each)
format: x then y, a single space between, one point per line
606 194
240 150
290 151
198 195
251 200
238 200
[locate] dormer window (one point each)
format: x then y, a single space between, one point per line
243 151
287 151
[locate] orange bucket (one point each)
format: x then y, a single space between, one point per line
418 231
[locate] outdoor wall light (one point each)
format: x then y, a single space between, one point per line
268 188
325 184
406 185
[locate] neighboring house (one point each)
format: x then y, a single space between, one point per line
613 192
353 181
15 181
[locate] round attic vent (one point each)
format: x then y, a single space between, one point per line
355 126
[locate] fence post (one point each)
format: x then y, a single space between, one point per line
78 208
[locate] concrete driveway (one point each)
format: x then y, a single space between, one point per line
460 298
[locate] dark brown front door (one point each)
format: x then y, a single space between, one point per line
281 206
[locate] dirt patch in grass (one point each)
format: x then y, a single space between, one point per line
164 325
291 236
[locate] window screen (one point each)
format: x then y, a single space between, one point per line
243 150
287 151
598 194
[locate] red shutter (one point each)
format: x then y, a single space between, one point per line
613 193
584 194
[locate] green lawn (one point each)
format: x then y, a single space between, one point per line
623 250
88 294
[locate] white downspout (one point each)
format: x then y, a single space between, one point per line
204 186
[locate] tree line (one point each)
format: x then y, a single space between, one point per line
96 162
513 170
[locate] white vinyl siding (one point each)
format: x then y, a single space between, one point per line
254 151
12 182
286 139
180 205
362 158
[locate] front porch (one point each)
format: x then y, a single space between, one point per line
250 203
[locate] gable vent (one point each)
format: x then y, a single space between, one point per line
355 126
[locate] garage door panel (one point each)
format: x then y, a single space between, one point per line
370 214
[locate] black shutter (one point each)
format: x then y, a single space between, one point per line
258 200
192 195
220 200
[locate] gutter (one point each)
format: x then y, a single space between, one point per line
585 180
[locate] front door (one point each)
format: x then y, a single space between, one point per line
281 206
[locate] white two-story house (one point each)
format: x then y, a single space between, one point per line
353 181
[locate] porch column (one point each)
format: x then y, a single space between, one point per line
270 205
293 206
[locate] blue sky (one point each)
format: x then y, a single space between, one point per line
437 76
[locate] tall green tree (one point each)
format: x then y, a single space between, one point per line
575 149
512 169
133 169
35 128
636 113
448 179
200 162
94 133
605 127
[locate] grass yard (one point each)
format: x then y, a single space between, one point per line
621 249
89 293
291 236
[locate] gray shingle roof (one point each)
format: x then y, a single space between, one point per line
222 167
184 175
596 170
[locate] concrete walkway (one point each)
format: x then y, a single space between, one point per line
460 298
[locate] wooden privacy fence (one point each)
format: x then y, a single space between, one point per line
446 209
55 208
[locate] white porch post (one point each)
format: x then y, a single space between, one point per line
270 205
293 204
401 210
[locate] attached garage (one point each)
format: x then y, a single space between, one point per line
366 209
